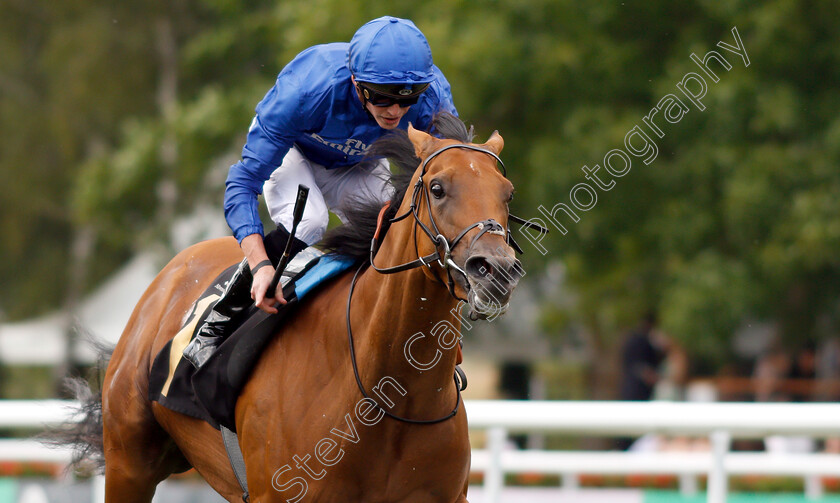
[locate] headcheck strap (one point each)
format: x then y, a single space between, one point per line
462 145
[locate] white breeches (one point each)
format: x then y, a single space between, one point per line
329 190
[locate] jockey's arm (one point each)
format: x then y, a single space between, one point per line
254 249
271 133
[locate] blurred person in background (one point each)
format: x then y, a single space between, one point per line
642 353
804 372
314 127
673 372
770 370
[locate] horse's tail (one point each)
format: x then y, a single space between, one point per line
83 433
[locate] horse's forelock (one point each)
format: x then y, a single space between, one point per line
449 126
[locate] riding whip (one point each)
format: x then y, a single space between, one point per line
300 204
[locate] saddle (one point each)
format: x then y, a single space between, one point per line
210 393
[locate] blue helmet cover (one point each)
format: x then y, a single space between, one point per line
390 50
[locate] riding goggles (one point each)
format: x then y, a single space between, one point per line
380 95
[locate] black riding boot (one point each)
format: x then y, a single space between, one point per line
235 300
275 243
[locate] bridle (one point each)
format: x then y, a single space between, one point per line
438 239
443 259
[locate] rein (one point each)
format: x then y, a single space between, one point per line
458 386
444 260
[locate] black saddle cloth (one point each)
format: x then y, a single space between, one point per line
210 393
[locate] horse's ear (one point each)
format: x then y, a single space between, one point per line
495 144
423 143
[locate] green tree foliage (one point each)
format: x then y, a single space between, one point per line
57 104
736 217
733 219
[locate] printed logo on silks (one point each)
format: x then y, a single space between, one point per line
350 146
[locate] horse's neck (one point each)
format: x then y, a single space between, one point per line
392 311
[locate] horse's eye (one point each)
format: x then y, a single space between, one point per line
511 197
436 189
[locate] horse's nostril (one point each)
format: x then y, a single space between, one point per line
478 267
502 270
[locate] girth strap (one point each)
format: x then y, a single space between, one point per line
237 461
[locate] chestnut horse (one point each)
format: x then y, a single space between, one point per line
305 428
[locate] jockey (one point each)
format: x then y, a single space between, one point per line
313 128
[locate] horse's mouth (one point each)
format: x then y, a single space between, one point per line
489 281
482 305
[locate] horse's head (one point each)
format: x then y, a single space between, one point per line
461 202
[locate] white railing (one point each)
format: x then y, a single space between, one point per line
35 415
720 422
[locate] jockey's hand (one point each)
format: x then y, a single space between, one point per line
259 287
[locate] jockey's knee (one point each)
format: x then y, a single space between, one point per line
315 219
311 230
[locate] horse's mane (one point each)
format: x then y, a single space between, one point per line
362 211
